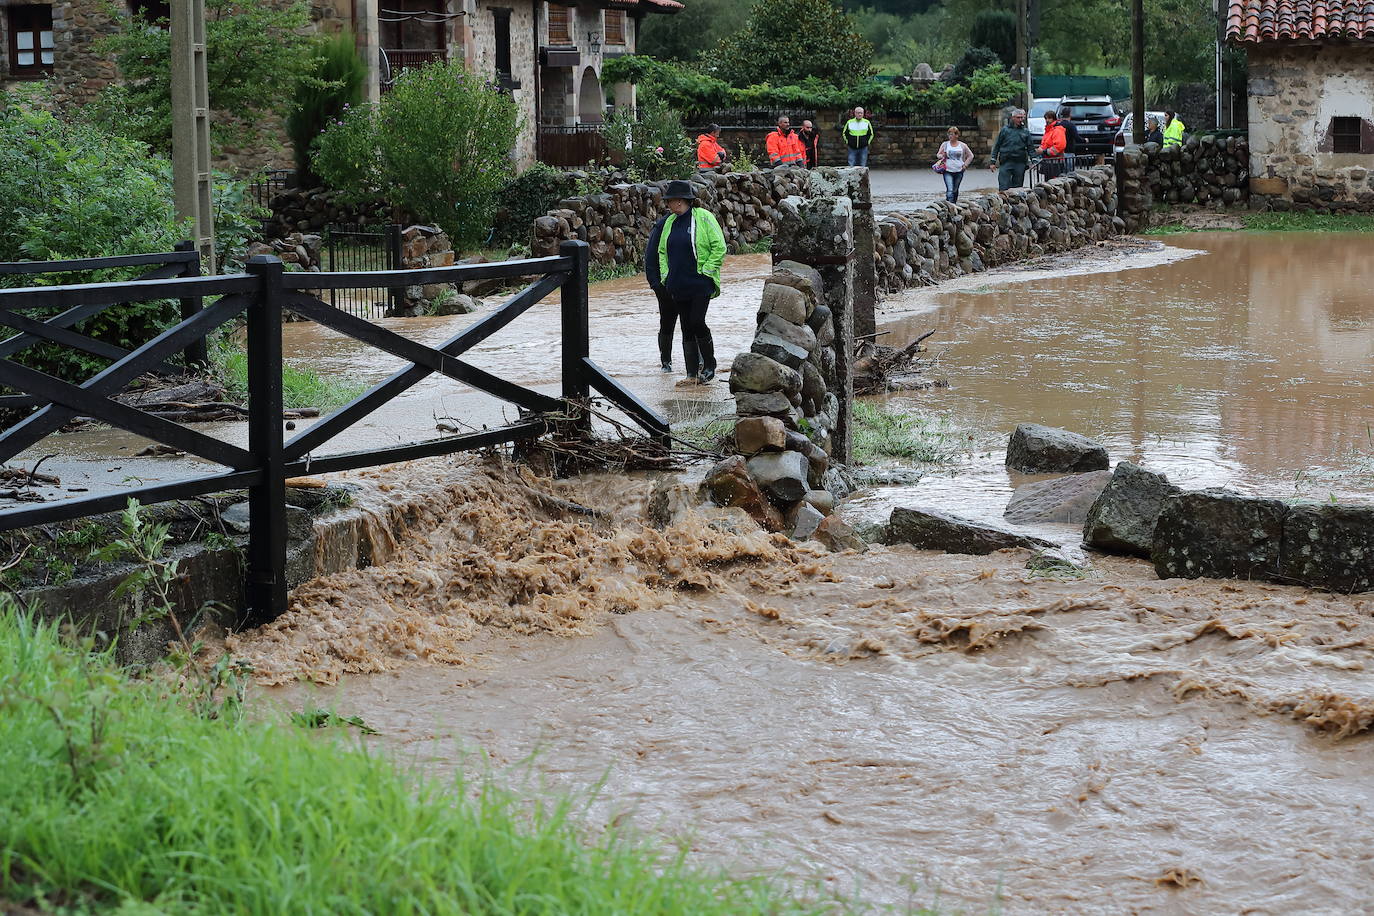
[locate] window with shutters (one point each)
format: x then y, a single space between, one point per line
560 24
1345 135
153 12
615 27
30 44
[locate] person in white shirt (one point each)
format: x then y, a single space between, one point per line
956 156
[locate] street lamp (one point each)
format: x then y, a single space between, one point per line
594 43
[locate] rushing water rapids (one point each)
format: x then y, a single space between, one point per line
1108 744
901 724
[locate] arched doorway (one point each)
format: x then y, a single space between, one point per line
590 102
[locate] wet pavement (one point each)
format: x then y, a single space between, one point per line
903 190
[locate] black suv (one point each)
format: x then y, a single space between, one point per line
1096 119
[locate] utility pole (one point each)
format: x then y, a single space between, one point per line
1022 47
1138 71
191 126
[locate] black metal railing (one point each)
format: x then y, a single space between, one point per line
44 326
262 295
1044 168
355 247
267 185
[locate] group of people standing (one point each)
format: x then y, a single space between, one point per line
1014 147
786 146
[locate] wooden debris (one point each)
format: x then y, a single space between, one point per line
877 368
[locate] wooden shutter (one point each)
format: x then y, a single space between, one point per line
615 27
560 25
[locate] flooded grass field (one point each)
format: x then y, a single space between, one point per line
908 727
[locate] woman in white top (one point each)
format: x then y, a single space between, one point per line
956 156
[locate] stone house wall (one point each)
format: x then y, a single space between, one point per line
1295 91
523 62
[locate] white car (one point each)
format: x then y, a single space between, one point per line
1123 136
1035 116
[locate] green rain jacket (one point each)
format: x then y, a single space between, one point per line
708 241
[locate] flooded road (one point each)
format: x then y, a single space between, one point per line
901 725
1249 366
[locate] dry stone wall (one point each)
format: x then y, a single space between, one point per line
1207 170
948 240
616 223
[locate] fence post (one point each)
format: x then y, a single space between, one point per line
576 331
266 573
397 262
196 352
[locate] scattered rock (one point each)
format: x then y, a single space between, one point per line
822 500
1063 500
1329 546
803 519
937 531
1055 563
1036 449
781 475
1122 519
729 484
670 502
760 434
1219 534
837 482
837 535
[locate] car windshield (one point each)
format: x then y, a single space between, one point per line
1090 111
1039 108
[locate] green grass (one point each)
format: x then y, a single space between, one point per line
1283 222
600 273
300 387
880 434
117 798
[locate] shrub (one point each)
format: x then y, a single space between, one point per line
996 31
438 145
786 41
528 196
335 84
654 144
974 60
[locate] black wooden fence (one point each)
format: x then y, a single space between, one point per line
184 261
262 295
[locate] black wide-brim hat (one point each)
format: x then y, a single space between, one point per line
682 190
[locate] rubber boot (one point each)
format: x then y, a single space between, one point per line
665 351
691 357
706 348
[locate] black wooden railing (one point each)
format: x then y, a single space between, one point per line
262 295
184 261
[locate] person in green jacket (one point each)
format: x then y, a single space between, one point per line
1173 129
1011 152
683 257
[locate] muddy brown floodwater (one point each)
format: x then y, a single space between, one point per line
901 725
1249 366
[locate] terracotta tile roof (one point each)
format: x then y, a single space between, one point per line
1255 21
647 6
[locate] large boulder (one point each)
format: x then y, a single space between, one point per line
1329 546
1218 534
760 434
1062 500
836 535
787 303
781 475
758 373
1122 520
937 531
729 484
1036 449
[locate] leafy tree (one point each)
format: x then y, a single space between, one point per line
693 33
651 142
335 84
255 55
996 31
438 146
786 41
974 60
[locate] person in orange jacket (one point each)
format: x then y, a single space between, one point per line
710 154
1052 146
784 146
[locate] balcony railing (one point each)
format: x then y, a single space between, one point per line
394 60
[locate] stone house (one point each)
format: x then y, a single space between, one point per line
1311 100
547 55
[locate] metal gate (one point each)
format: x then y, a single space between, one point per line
355 248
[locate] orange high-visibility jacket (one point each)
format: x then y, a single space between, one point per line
709 152
1053 142
785 150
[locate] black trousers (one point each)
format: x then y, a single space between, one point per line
667 322
698 348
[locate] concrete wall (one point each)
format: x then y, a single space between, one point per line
1295 91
